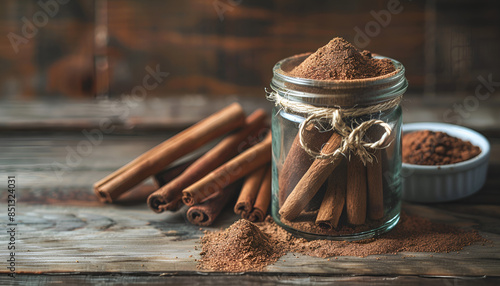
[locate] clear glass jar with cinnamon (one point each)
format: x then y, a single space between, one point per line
336 153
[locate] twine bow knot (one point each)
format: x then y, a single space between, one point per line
353 141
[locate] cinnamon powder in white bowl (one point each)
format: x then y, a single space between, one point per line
449 174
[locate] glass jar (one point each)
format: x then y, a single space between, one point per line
341 179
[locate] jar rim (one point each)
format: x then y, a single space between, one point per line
367 91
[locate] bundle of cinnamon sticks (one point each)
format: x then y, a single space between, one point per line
209 182
345 187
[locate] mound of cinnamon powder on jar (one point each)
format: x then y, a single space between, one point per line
427 147
247 246
340 60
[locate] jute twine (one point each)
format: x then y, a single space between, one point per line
352 138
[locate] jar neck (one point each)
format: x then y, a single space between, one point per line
343 93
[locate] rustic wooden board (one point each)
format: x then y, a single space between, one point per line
61 239
151 115
63 229
242 279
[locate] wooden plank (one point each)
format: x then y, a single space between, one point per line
242 279
70 239
126 115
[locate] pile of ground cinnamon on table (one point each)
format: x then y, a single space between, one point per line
247 246
340 60
242 246
427 147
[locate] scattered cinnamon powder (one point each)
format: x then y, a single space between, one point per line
427 147
245 246
306 222
340 60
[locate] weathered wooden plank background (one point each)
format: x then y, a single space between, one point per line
225 47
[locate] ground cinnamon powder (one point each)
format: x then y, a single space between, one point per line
340 60
240 247
427 147
246 246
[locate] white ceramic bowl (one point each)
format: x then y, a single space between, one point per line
429 184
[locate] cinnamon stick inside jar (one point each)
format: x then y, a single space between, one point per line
169 197
297 161
356 191
334 200
311 181
374 175
375 186
236 168
154 160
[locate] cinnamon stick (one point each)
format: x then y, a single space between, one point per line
169 197
154 160
229 172
374 176
297 161
141 192
375 187
136 195
334 200
205 213
263 199
356 191
311 181
315 203
249 193
165 176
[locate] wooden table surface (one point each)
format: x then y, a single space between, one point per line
65 236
